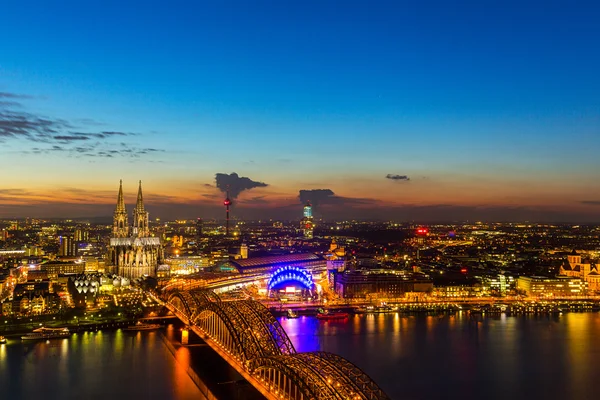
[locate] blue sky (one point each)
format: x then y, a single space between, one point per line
490 106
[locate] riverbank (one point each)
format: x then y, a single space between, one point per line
17 331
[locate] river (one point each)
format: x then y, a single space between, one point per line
410 357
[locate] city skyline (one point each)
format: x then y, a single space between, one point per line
423 112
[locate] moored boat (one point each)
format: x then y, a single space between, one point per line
47 333
291 314
327 315
140 326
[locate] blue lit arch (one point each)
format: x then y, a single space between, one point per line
291 274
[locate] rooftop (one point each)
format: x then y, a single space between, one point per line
278 259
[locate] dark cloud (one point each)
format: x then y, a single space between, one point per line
316 196
15 124
70 138
60 135
235 184
397 177
320 197
591 202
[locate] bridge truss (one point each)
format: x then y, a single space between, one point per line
249 335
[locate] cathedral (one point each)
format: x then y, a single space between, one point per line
133 252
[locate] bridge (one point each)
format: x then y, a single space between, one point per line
253 342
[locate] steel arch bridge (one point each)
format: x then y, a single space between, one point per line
247 335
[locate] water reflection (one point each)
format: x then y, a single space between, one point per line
460 356
93 365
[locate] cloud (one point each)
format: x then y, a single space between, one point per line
394 177
318 197
235 184
591 202
61 135
7 95
315 196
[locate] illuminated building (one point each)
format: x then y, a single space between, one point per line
540 286
583 269
81 235
362 284
55 268
244 251
68 246
133 252
306 224
308 261
290 282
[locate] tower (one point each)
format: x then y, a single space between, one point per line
120 222
306 224
227 203
140 216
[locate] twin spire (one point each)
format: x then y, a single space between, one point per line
140 216
139 205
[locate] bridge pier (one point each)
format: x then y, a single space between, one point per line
185 336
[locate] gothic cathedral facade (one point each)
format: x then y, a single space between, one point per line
133 253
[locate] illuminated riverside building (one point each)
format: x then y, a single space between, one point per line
583 269
378 283
133 251
540 286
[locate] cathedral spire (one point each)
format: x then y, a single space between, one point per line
140 200
120 200
120 225
140 216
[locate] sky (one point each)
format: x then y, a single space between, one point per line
408 111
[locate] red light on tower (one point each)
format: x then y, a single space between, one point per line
227 202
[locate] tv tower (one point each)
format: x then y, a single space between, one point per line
227 203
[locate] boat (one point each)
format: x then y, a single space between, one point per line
327 315
291 314
140 326
2 340
47 333
384 308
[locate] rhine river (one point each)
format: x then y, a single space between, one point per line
410 357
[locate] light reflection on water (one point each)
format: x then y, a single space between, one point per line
93 365
411 357
461 356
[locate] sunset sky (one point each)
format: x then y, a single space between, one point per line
481 110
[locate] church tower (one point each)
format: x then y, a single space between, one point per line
140 217
120 223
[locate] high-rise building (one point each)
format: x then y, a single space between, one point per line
81 235
306 223
68 246
133 256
